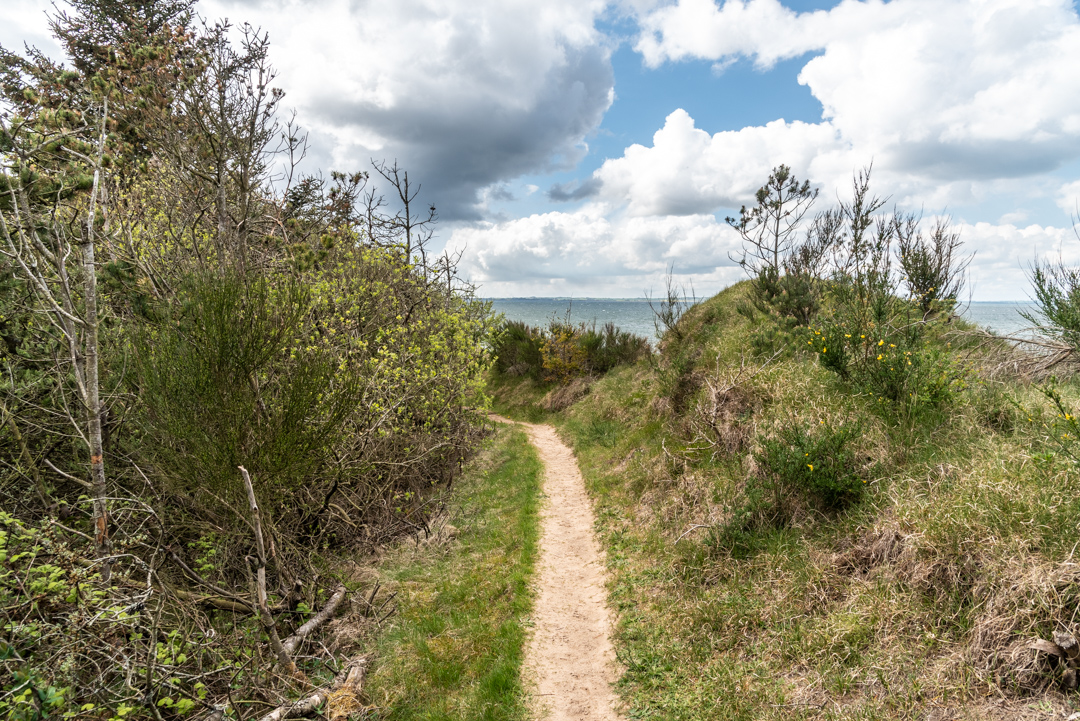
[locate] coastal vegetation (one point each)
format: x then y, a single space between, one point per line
827 496
223 380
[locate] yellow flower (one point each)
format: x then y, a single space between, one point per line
881 342
810 466
879 357
824 349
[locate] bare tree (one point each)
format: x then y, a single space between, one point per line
413 230
51 242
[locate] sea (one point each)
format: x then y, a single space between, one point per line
635 315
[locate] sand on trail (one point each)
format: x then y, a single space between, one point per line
570 661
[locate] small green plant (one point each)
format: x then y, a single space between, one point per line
817 464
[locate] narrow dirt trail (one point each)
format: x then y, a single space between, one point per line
570 659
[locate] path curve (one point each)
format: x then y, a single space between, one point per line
570 659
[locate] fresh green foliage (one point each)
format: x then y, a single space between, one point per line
564 351
169 313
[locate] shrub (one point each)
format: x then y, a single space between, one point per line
564 351
517 350
933 271
1057 295
904 366
610 347
817 464
564 358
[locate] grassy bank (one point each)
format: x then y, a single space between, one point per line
739 598
454 648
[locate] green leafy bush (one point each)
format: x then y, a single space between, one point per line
564 351
817 464
905 367
610 347
516 347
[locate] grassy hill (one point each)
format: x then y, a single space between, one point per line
784 542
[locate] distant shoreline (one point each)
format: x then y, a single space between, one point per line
643 299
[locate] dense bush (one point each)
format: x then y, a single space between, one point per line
516 347
288 328
817 464
610 347
564 351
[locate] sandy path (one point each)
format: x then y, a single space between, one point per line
570 658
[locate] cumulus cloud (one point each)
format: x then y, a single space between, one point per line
463 93
588 252
1004 252
590 248
945 96
1069 198
688 171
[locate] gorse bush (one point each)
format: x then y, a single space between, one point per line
610 347
563 357
516 348
1057 296
816 464
564 351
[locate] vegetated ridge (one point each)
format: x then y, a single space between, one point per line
826 496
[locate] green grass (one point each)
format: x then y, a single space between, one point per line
971 513
454 648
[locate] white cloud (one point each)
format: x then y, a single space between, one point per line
590 249
25 21
947 97
589 253
1004 252
1069 197
688 171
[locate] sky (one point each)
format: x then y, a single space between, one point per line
582 147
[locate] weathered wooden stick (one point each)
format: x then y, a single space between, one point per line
350 680
260 584
292 642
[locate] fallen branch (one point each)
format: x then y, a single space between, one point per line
346 687
203 582
260 586
292 642
223 604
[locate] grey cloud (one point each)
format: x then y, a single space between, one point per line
983 160
456 151
563 192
